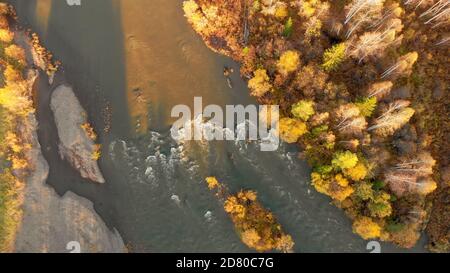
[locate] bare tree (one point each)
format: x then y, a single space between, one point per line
374 43
394 106
379 89
345 113
402 183
392 121
403 65
422 164
360 12
437 14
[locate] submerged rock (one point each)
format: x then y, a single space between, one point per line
75 145
51 223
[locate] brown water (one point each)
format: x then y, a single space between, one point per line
130 62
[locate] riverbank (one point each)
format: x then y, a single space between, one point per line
15 108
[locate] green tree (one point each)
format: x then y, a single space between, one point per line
367 106
288 27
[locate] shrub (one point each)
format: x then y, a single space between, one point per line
256 225
212 182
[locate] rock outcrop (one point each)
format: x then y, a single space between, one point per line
75 145
57 224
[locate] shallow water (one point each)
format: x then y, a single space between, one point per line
130 62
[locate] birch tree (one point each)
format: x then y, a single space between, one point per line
392 120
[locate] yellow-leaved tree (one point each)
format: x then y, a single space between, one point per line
303 109
289 62
366 228
344 160
290 130
260 83
357 173
333 57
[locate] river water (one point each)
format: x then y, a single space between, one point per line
130 62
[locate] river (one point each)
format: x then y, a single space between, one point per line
130 62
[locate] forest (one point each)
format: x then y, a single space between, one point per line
362 87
